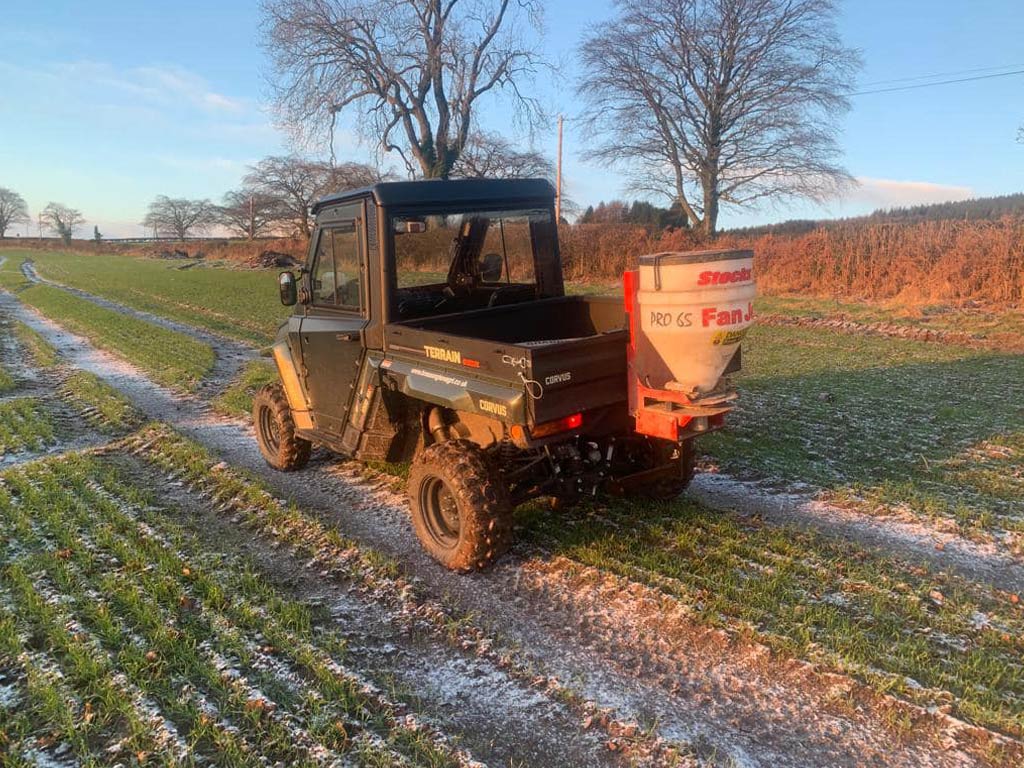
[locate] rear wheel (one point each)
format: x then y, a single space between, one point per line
275 430
683 456
460 507
641 455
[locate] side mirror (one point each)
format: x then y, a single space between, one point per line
288 288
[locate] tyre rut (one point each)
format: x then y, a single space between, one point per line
229 354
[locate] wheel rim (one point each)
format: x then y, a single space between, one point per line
269 430
440 513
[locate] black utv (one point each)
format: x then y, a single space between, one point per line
431 326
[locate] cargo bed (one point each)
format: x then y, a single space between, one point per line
568 352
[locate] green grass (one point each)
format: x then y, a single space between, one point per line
24 425
239 303
11 277
108 609
7 382
236 400
39 349
170 358
803 594
878 421
103 406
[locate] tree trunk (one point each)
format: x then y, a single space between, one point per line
709 224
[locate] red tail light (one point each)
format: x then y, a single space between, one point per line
567 424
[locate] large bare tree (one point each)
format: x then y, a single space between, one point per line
488 155
408 73
297 182
179 217
13 209
251 213
61 220
720 101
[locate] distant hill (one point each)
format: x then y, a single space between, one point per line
976 209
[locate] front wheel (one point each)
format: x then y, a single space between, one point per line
460 507
275 430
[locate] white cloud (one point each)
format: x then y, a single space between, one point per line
893 193
157 87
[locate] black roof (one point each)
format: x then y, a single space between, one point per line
447 191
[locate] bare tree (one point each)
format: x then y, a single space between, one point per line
179 217
488 155
13 210
720 101
410 72
61 220
250 213
297 182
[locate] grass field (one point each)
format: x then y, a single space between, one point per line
38 349
170 358
240 303
24 425
900 627
100 404
236 400
130 640
883 422
882 425
989 322
11 277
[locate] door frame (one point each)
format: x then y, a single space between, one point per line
314 314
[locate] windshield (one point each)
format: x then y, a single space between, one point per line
468 260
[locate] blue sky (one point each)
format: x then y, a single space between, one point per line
106 104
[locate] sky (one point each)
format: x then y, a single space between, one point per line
104 105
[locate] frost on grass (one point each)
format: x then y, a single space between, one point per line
170 358
874 617
887 426
149 634
99 403
24 426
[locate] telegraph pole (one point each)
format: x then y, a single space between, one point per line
558 176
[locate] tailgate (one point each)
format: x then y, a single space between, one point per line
577 375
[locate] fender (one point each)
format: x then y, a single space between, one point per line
443 387
292 386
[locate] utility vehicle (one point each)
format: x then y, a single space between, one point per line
431 326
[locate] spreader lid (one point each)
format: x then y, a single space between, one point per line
693 257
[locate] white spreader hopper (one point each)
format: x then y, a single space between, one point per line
694 310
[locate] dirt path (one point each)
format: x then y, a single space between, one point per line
229 354
985 563
496 717
728 699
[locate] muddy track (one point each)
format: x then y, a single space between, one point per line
229 354
497 717
918 541
1003 342
72 431
737 706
